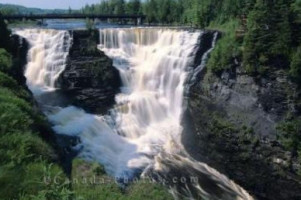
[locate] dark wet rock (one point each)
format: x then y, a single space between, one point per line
89 80
205 42
230 123
19 49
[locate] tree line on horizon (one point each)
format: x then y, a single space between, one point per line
194 12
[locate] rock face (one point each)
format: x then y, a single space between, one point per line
19 49
230 124
89 80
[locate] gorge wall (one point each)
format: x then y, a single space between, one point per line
230 123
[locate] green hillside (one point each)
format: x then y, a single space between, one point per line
16 9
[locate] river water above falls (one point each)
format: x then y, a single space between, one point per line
141 135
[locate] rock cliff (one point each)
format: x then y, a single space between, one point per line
230 123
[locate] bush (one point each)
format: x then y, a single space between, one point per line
226 49
12 85
289 133
142 190
5 60
105 187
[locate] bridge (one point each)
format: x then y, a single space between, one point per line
138 19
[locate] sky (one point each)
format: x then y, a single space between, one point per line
51 4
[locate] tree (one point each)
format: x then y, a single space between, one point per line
134 7
117 6
149 9
268 40
5 35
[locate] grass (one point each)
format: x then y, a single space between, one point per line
24 155
89 181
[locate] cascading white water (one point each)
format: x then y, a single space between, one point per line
152 65
46 57
143 131
146 119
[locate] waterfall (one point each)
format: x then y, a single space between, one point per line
153 65
46 57
142 133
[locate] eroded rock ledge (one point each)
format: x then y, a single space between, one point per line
89 80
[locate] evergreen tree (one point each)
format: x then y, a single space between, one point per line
133 7
5 35
149 9
118 7
267 42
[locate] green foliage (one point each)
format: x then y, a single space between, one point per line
289 133
220 127
12 85
296 22
45 181
5 60
15 112
149 8
295 71
269 38
89 181
195 12
16 9
108 7
24 156
145 190
226 49
133 7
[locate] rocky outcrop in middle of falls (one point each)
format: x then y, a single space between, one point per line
89 80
